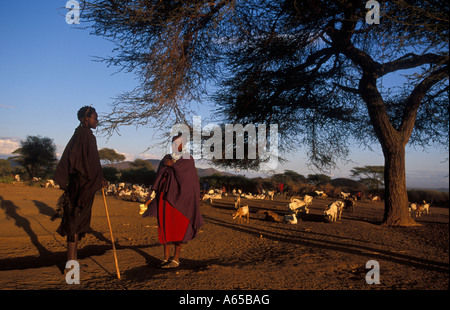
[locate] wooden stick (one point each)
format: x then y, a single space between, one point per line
112 238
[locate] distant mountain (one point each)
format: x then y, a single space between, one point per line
441 189
127 164
202 172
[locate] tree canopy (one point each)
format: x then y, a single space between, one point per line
5 167
37 155
289 62
372 176
316 68
110 155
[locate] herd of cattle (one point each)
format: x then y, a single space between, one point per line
296 204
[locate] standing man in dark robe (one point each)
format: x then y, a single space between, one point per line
176 203
79 174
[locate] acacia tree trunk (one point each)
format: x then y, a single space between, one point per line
393 143
394 140
396 196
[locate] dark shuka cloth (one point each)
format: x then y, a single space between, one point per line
79 173
181 188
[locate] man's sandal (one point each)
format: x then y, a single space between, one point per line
171 264
164 262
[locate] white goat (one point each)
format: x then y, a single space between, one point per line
237 202
426 207
247 196
111 189
412 207
345 195
334 210
212 196
308 200
51 183
297 204
320 193
376 198
422 208
290 218
140 193
242 211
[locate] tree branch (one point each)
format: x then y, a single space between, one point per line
347 89
414 100
411 60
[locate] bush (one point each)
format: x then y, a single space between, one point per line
138 176
437 198
330 190
6 179
110 174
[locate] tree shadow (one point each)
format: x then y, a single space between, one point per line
47 258
58 259
44 208
344 247
150 270
11 211
149 259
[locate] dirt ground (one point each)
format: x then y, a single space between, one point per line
260 255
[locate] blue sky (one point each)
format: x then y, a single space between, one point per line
47 72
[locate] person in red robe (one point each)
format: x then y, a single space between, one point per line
79 174
176 202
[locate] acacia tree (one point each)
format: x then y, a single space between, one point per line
317 67
37 155
317 178
314 67
373 175
110 155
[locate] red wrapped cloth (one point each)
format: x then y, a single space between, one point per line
177 201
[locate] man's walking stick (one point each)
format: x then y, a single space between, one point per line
112 238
